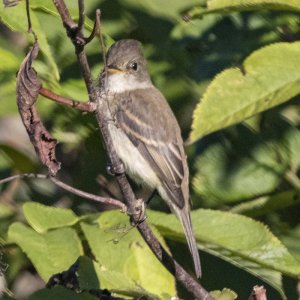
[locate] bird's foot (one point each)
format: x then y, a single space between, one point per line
115 170
138 214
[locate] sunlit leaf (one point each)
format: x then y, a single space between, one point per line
93 276
229 6
225 294
50 253
42 217
269 76
119 248
15 19
248 239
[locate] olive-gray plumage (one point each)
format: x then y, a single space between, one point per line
146 134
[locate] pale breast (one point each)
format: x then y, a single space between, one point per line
136 166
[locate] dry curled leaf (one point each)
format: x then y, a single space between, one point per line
28 86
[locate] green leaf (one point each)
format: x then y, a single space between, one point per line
50 253
59 292
195 29
248 239
7 96
15 19
9 62
119 248
162 9
42 218
5 211
263 205
17 159
273 278
87 275
225 294
270 76
92 276
48 7
291 240
242 165
229 6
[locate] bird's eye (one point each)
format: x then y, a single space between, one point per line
133 66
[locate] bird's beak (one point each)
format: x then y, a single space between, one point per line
111 70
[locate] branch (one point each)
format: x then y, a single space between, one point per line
258 293
95 28
84 106
103 116
81 15
77 192
76 36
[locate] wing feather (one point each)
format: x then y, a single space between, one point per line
152 128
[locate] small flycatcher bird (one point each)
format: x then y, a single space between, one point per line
146 135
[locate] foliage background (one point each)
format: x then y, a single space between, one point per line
250 167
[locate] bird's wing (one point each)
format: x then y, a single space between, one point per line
151 126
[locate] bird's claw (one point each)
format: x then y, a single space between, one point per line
115 170
138 214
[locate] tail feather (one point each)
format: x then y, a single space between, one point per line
183 214
185 219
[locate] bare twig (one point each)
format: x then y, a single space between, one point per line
103 116
84 106
95 28
258 293
104 200
28 16
24 175
81 15
69 24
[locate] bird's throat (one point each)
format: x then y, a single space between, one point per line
122 82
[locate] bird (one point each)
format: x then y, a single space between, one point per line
146 135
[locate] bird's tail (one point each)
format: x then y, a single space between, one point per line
185 220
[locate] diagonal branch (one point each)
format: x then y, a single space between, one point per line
103 116
105 200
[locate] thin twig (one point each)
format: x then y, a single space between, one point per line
95 28
29 29
104 200
84 106
81 15
258 293
59 183
28 16
24 175
103 114
62 9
